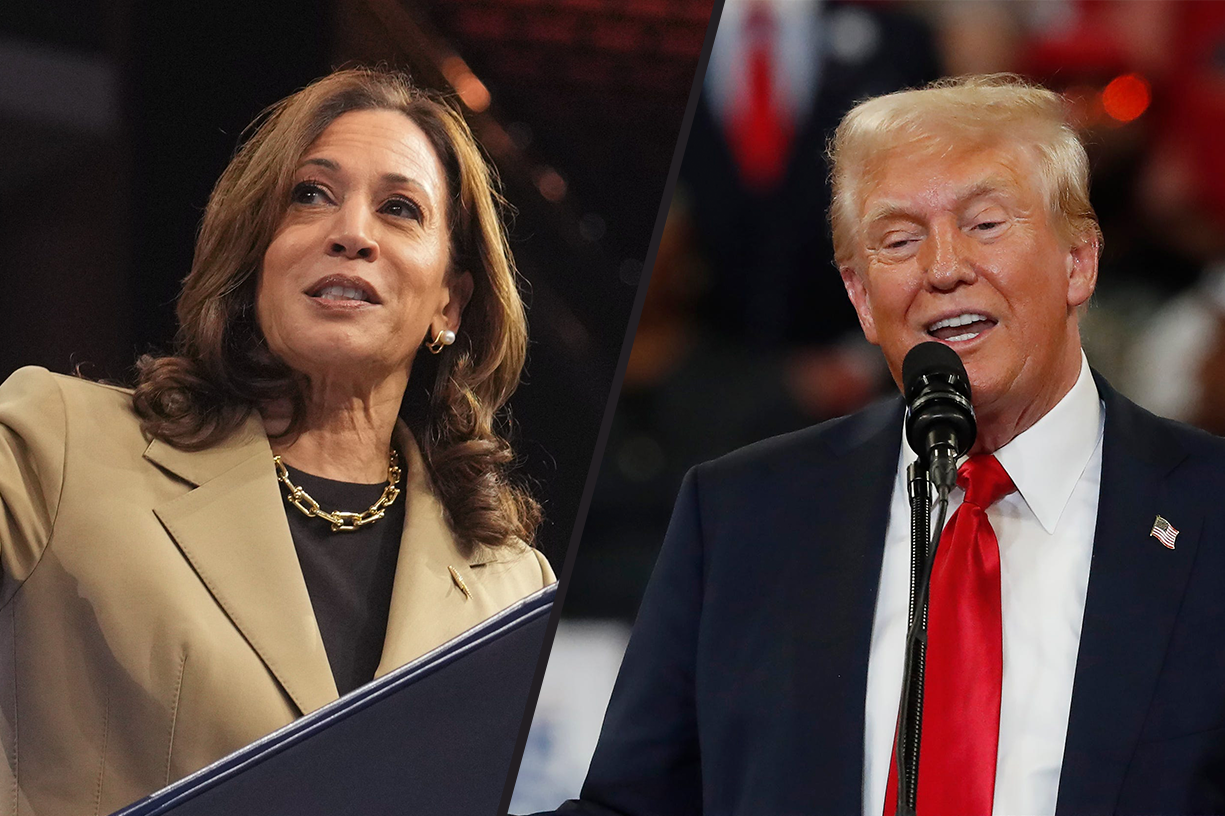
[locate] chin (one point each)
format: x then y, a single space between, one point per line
323 357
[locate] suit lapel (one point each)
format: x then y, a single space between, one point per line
428 607
232 529
840 565
1135 587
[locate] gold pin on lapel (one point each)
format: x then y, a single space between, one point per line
459 582
1164 532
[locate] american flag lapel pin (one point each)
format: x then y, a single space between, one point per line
1164 532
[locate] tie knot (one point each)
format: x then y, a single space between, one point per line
760 19
984 480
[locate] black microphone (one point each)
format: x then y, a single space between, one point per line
940 423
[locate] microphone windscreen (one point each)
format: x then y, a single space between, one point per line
930 358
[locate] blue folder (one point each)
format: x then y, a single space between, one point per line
432 737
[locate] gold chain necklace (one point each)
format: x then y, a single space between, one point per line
341 520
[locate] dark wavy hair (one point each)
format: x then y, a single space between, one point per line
221 369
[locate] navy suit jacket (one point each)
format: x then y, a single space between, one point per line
742 690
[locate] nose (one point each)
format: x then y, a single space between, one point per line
946 258
351 235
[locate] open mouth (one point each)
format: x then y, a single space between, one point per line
343 289
960 328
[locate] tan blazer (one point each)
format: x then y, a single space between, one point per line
153 615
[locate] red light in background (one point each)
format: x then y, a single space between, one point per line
470 89
550 184
1126 97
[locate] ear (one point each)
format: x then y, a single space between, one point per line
458 293
1082 270
858 293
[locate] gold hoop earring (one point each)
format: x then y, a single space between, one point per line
444 338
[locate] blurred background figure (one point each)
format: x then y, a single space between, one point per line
118 115
746 331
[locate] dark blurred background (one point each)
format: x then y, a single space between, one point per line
117 116
746 331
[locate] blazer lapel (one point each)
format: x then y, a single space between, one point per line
834 588
428 607
1135 587
232 529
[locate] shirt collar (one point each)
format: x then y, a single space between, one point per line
1046 460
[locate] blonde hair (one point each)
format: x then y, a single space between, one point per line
222 370
952 114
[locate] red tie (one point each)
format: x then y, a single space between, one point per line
760 131
961 691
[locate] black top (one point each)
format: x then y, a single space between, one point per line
348 574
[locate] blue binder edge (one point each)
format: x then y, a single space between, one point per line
512 617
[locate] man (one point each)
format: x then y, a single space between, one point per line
765 667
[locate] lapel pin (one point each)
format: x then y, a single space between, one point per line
459 582
1164 532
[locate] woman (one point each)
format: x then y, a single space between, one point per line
298 499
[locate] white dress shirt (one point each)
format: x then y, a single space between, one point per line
1045 533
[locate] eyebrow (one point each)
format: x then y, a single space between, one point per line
989 186
393 178
328 163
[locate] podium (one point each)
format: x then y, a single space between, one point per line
432 737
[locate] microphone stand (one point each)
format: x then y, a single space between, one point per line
923 541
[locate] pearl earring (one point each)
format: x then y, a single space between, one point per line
444 338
